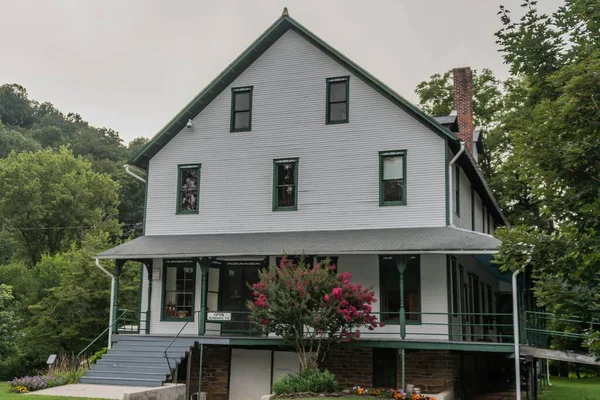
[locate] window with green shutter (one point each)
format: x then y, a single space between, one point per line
285 184
241 109
188 189
338 100
392 178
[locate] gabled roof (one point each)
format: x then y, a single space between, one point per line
239 65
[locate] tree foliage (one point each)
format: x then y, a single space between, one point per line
65 197
50 198
311 308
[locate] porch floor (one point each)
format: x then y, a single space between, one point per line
417 343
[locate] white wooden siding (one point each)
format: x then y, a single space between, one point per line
464 220
338 164
478 213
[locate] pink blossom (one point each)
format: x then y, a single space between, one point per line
332 267
326 297
337 293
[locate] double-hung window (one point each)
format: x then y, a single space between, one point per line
285 184
389 284
241 109
188 189
337 100
179 280
392 178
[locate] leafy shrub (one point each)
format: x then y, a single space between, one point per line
310 380
98 355
33 383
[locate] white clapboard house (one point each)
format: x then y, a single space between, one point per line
294 149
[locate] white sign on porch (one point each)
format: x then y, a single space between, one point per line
218 316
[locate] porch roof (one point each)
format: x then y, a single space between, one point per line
364 241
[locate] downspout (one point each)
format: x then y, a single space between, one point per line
516 339
130 172
451 182
112 299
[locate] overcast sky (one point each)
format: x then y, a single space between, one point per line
131 65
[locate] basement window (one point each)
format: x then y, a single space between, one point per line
241 109
188 190
392 178
179 281
285 184
337 100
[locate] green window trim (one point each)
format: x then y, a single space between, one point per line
234 91
457 189
407 287
180 169
382 156
329 102
276 162
455 290
181 263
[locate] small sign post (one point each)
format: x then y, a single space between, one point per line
50 362
218 316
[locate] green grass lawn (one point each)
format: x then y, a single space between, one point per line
4 395
565 388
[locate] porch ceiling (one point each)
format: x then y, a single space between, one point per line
365 241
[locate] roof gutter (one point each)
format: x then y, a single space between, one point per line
451 183
516 339
130 172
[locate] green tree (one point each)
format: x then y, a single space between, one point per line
12 140
555 148
50 199
15 107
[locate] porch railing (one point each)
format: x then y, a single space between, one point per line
173 370
540 327
131 322
464 327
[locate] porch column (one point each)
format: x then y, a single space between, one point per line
118 269
204 264
148 264
401 265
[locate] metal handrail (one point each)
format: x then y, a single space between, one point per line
171 370
103 332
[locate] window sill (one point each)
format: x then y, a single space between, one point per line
164 319
285 209
337 122
240 130
186 212
392 203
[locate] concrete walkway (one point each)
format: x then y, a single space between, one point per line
93 391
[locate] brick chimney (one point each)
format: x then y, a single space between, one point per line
463 104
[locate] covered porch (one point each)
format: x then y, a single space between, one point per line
433 284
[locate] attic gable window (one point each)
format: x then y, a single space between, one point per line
188 189
241 109
392 178
337 100
285 184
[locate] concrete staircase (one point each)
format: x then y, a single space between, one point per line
137 360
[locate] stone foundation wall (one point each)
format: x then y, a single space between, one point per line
215 371
432 371
351 366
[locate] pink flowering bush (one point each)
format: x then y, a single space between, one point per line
311 308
